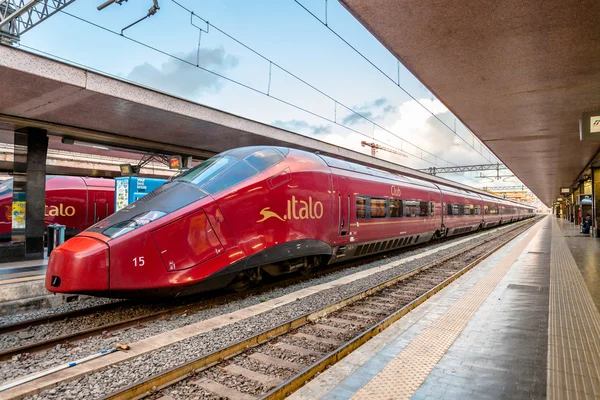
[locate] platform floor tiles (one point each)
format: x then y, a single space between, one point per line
521 325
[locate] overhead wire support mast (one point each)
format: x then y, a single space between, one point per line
19 16
463 168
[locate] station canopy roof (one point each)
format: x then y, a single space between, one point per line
519 74
94 109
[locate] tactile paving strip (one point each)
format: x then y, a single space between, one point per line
405 373
573 328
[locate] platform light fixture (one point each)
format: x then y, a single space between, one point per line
565 190
175 162
66 140
126 169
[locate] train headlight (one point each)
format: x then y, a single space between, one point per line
124 227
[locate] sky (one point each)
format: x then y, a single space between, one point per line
273 62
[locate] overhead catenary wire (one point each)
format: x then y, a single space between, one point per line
396 83
435 157
273 63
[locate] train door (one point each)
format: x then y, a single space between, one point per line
342 200
99 205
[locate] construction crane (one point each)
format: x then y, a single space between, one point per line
374 147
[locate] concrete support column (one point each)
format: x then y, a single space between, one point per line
31 148
596 202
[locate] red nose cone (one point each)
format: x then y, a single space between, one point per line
79 265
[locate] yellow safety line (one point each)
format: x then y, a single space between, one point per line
405 373
25 279
573 328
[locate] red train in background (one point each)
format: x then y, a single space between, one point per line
262 210
75 202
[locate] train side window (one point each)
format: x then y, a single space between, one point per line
423 209
477 210
455 209
263 159
236 174
486 210
461 209
431 209
378 208
411 208
361 207
471 209
448 209
396 208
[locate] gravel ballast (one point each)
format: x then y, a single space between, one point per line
125 373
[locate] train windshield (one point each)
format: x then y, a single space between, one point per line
6 187
223 171
207 170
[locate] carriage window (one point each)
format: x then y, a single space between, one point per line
486 210
448 209
423 209
461 209
432 209
361 209
395 208
378 208
412 209
477 210
471 208
455 209
264 159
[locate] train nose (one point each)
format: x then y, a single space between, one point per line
80 265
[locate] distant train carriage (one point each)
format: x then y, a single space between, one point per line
72 201
262 210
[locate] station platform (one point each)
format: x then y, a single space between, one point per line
22 271
520 325
22 287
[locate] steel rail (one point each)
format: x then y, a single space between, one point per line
8 353
159 381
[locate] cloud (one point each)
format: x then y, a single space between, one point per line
416 125
300 125
375 110
181 79
352 119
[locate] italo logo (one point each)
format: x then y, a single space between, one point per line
295 210
596 122
59 211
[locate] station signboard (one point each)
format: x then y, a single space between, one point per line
589 126
565 190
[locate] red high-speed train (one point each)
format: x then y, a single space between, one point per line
262 210
75 202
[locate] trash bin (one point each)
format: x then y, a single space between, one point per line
56 236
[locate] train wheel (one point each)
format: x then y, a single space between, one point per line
240 283
310 263
244 279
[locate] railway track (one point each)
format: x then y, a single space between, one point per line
120 318
276 362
